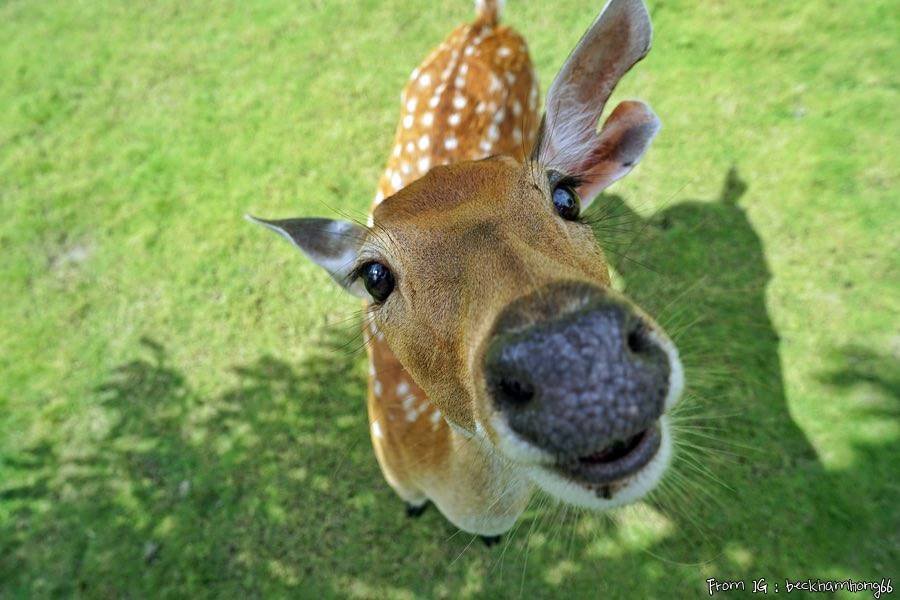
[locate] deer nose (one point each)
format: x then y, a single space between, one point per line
579 384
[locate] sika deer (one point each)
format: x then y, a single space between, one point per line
500 358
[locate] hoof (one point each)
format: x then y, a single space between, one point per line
413 511
490 540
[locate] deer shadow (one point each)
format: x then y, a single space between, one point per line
748 490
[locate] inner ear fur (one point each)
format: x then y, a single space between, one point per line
568 140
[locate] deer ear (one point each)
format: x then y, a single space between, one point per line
333 245
568 141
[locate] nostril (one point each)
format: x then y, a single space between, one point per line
514 391
638 339
509 370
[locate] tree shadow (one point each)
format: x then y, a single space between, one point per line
270 487
180 490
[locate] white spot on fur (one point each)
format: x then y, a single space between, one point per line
425 80
408 121
396 180
435 100
459 101
376 388
493 132
470 50
516 108
485 146
503 51
454 119
405 168
464 68
411 104
402 388
376 430
423 142
410 147
423 164
410 410
450 143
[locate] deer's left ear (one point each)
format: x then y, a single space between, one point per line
568 141
333 245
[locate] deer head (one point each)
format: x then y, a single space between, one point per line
495 294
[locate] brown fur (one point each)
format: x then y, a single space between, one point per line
465 208
466 225
494 81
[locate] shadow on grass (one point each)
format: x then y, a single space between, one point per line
270 487
749 493
178 491
862 366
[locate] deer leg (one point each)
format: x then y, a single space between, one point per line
414 511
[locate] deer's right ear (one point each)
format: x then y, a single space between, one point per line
568 140
331 244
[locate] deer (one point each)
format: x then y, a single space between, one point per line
501 359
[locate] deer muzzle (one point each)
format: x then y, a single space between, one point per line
581 375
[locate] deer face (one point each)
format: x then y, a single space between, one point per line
495 295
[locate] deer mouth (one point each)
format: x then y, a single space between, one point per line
611 465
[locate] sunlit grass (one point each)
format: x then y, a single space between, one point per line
181 397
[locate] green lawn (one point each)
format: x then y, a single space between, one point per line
182 397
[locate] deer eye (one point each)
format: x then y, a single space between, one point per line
378 279
566 202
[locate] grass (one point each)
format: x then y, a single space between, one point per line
181 402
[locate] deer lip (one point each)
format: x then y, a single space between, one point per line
616 461
615 451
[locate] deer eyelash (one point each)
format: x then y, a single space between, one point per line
356 271
563 179
557 178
